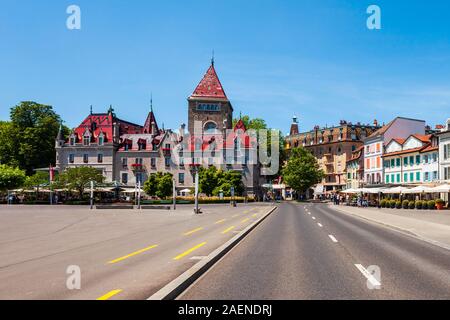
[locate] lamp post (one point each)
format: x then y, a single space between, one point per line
92 195
139 195
174 191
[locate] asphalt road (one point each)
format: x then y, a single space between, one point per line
121 254
314 252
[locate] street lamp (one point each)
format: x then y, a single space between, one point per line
174 191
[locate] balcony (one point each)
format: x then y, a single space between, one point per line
166 152
137 167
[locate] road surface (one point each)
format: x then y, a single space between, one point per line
314 252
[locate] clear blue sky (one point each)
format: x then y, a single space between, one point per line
315 59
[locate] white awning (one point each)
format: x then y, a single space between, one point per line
186 191
445 188
418 189
396 190
318 189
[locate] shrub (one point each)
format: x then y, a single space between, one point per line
405 204
392 204
440 202
412 204
398 204
431 204
383 203
419 204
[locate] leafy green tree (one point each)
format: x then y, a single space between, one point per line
151 185
8 144
79 178
35 127
11 178
255 124
159 184
208 180
165 186
226 180
39 178
301 171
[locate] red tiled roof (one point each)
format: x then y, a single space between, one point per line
210 86
429 148
399 140
396 153
422 138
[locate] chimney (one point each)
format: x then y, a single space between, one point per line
116 133
375 123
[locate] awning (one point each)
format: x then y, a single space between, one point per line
186 191
318 189
396 190
445 188
418 189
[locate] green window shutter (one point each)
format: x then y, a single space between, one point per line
411 176
405 177
387 179
398 176
417 176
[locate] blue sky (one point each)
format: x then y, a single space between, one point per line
314 59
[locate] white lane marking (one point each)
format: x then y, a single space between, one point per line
309 213
314 218
368 276
333 238
320 225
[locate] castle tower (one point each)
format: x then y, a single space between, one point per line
210 105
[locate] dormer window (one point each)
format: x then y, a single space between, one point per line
72 140
86 140
101 139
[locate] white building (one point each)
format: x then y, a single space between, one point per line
444 153
374 146
411 161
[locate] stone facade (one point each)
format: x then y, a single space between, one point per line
128 153
332 147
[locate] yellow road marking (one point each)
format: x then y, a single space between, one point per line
132 254
228 230
255 215
236 215
110 294
192 231
245 220
221 221
189 251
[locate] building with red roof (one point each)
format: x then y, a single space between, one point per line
128 153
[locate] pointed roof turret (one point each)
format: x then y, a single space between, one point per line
210 86
151 120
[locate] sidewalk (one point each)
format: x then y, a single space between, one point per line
429 225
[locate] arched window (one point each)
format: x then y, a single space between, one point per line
210 127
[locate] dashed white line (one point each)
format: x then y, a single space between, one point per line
374 282
314 218
320 225
309 213
333 238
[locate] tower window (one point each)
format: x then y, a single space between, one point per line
208 107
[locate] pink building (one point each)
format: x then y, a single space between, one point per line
374 145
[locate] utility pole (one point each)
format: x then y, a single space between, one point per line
139 195
174 191
92 195
196 210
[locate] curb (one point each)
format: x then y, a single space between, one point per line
173 289
395 228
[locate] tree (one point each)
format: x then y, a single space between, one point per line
159 184
165 186
226 180
208 180
8 144
11 178
39 178
255 124
78 178
32 132
302 171
151 185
